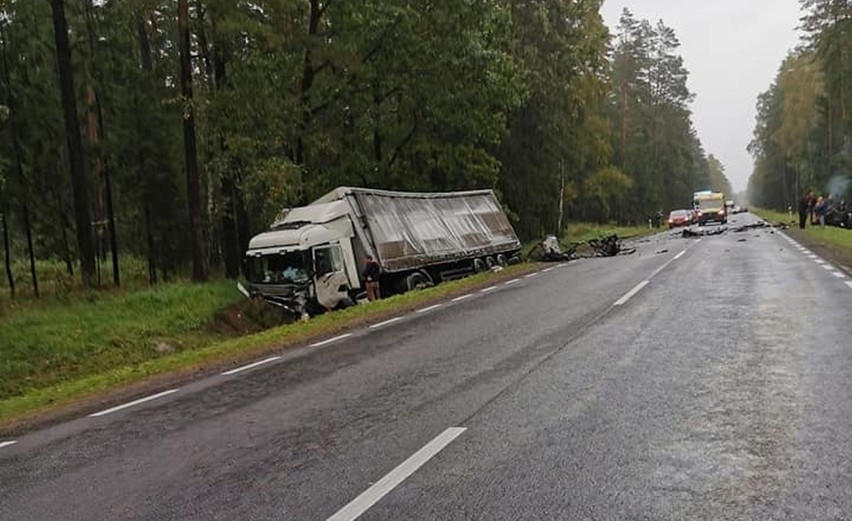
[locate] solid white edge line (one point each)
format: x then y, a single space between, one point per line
630 294
392 479
386 322
7 443
679 255
489 288
134 402
250 366
509 282
330 340
463 297
430 308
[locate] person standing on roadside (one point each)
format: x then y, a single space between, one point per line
803 209
371 274
811 206
820 210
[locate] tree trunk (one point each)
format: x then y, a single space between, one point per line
30 252
193 188
75 145
307 81
113 238
9 276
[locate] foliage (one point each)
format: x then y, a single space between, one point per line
294 98
803 136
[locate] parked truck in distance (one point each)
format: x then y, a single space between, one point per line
312 257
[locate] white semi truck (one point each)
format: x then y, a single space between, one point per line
312 257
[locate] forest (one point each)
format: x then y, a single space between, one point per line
165 133
803 135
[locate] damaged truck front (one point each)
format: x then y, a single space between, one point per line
311 258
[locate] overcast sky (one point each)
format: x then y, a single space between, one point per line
732 49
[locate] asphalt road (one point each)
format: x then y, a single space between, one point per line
695 379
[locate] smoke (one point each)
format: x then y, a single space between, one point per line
838 185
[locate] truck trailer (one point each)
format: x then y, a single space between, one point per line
312 257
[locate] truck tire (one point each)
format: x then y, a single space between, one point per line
501 260
418 280
478 265
490 262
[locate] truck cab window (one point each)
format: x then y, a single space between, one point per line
328 260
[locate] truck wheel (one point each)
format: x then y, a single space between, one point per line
489 262
418 280
501 260
478 265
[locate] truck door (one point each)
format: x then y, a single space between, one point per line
330 276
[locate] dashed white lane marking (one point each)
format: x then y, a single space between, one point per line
510 282
630 294
828 267
463 297
372 495
250 366
531 275
330 340
134 402
838 274
7 443
848 283
430 308
546 270
489 288
679 255
386 322
819 261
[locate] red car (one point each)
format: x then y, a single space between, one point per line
680 218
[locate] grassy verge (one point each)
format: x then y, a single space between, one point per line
579 232
55 357
831 242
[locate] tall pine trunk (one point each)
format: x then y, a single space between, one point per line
193 186
85 241
8 257
30 251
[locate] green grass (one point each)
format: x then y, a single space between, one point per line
58 288
52 357
831 242
580 232
44 347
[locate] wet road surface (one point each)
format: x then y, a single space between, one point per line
701 378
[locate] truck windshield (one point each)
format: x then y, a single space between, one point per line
283 268
710 204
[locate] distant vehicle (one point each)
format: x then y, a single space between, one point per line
681 218
312 257
710 207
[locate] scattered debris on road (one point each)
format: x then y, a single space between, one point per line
550 250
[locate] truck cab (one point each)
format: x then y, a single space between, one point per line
306 260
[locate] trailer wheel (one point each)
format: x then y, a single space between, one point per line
478 265
501 260
489 262
418 280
